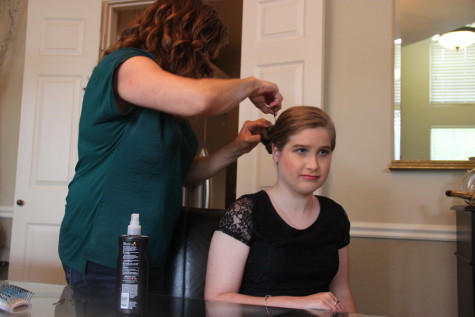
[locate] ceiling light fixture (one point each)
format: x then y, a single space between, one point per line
459 38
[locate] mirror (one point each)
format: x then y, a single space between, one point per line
418 122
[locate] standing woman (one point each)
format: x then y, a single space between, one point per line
285 246
136 147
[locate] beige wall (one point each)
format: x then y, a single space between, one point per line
393 277
11 77
404 278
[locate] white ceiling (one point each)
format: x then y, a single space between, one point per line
421 19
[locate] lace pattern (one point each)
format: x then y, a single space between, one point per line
237 221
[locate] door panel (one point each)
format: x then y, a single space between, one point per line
62 46
282 41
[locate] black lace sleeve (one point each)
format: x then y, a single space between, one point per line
236 222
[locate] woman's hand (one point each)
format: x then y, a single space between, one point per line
267 97
205 167
250 135
323 301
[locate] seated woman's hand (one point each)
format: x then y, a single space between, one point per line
322 301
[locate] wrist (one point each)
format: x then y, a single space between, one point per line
266 300
252 84
237 148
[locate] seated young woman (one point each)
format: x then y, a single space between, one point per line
285 246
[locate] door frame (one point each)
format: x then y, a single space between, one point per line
110 14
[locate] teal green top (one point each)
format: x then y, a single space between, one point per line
133 162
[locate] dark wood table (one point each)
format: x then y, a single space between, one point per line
62 301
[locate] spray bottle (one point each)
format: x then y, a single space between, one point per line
132 270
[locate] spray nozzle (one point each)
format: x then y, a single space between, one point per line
134 228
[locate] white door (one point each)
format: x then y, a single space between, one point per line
62 47
282 41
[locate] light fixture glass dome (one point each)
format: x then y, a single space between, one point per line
458 39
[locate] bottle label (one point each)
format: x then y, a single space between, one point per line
124 300
130 274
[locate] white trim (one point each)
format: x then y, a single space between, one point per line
403 231
6 212
376 230
110 11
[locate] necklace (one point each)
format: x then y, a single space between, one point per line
286 218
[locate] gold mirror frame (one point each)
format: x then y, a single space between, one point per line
431 165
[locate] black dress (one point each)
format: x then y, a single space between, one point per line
283 260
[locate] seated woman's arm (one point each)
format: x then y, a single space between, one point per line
340 285
226 262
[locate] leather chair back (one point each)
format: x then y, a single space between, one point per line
186 269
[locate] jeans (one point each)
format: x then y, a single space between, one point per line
102 277
96 276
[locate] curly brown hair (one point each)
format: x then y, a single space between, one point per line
292 121
183 35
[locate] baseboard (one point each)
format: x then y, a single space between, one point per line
403 231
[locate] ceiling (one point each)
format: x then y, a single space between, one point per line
421 19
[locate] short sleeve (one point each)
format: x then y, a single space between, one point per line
237 222
100 97
345 240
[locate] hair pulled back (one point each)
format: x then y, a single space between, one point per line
183 35
292 121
